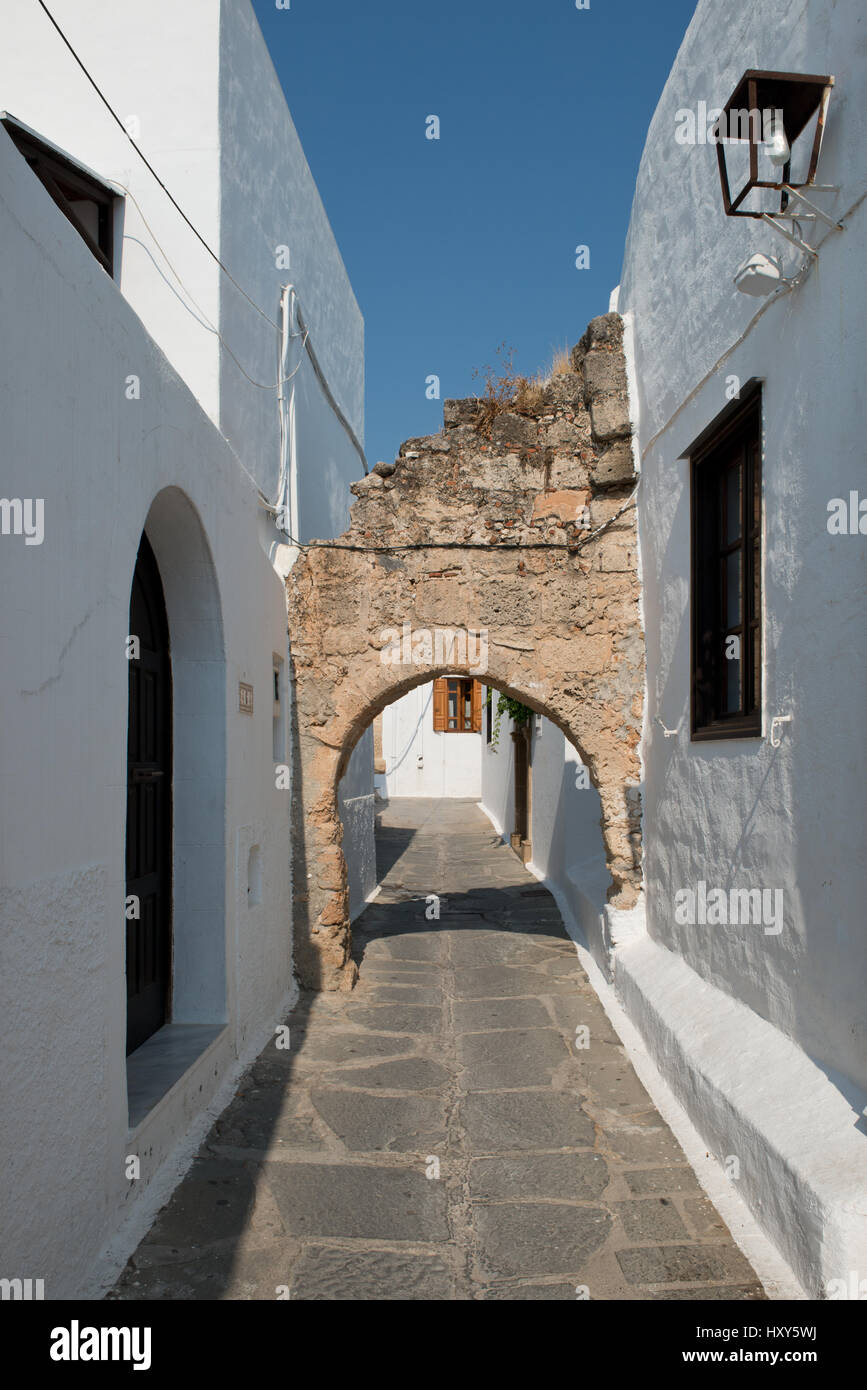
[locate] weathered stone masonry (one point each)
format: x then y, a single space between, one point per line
478 528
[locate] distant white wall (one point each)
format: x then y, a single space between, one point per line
422 762
498 777
565 831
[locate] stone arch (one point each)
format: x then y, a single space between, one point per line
517 526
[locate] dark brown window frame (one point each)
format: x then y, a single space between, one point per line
711 458
61 177
440 705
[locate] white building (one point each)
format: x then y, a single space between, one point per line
757 1022
762 1030
424 756
129 410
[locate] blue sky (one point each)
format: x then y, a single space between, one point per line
456 245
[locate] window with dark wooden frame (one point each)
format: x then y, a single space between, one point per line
726 490
87 204
457 705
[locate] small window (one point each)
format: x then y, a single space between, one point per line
489 715
457 705
278 723
726 575
86 202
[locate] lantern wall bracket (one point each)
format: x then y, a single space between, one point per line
815 212
790 236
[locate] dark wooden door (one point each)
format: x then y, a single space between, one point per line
522 781
149 808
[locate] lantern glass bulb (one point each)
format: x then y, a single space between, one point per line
779 150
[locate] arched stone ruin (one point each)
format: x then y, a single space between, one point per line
490 527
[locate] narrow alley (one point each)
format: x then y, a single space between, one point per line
436 1133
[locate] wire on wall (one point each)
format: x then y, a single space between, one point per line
314 361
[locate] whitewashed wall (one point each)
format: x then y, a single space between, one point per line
159 70
197 87
99 461
786 1010
422 762
565 831
268 200
498 778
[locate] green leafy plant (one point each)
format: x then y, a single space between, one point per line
519 713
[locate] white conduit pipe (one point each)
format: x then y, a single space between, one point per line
286 502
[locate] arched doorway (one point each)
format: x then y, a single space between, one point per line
177 932
149 806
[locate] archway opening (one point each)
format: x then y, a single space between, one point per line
182 792
468 750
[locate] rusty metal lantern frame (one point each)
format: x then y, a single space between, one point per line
800 97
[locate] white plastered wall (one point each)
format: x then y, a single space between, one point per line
106 466
565 822
196 86
764 1037
421 761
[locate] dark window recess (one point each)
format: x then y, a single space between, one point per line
489 715
88 204
726 491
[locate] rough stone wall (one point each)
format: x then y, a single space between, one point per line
479 527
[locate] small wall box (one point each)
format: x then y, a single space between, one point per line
245 697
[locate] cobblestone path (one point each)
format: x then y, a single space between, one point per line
436 1134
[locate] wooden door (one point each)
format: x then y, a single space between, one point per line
522 782
149 808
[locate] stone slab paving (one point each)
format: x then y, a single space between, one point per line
437 1134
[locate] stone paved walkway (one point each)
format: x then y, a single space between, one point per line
436 1134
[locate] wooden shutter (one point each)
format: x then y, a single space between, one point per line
477 707
440 705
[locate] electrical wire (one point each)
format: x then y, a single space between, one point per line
782 290
176 205
492 547
262 386
143 157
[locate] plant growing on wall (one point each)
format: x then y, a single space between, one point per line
519 714
507 390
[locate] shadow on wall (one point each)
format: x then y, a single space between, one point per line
572 854
566 822
424 715
356 809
